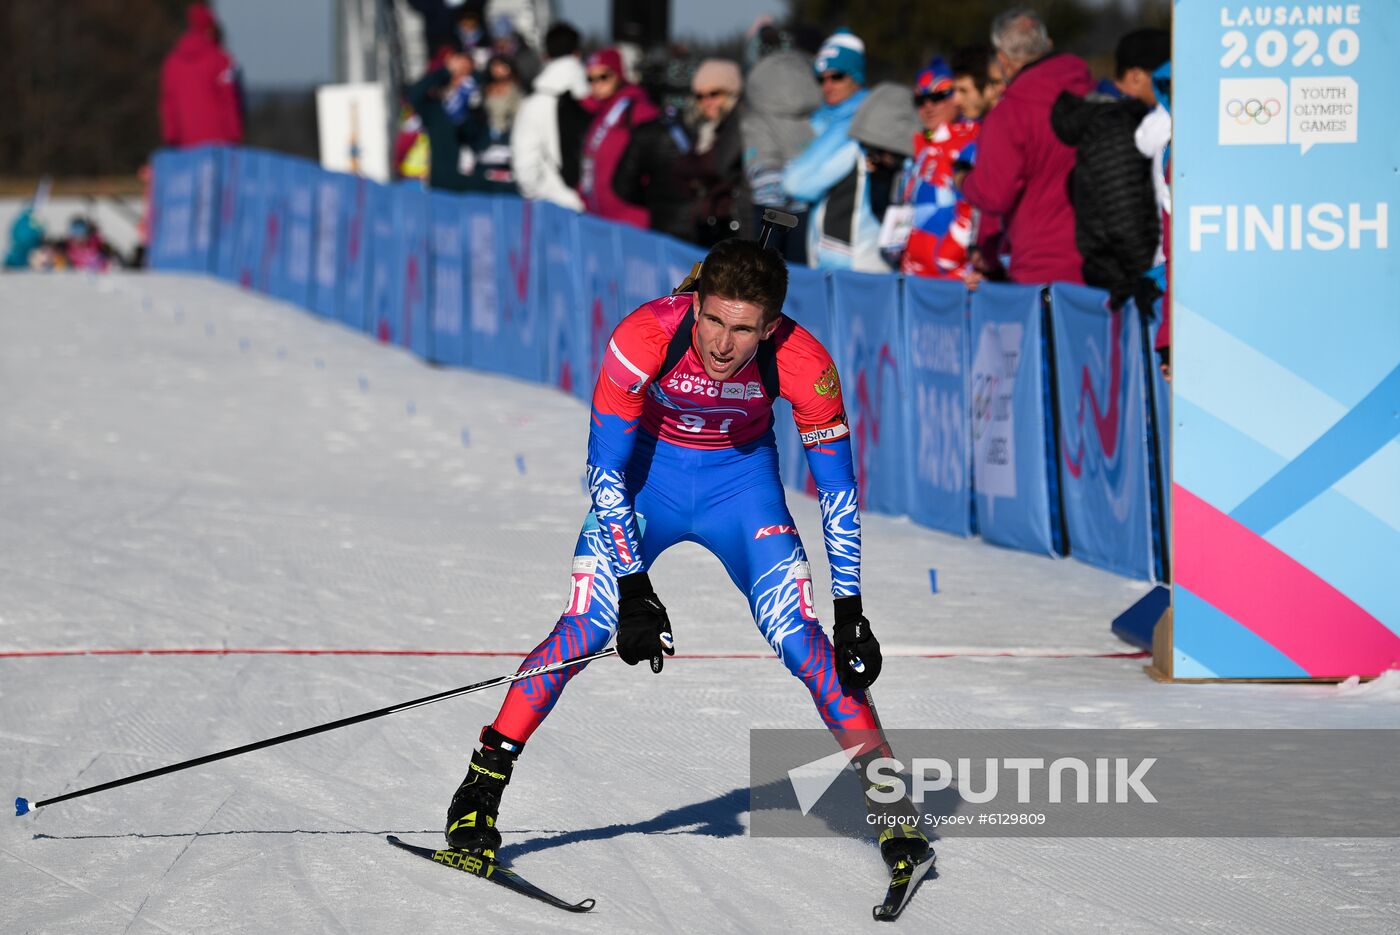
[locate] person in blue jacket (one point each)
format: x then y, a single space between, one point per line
836 233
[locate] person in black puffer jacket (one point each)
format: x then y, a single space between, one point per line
1117 225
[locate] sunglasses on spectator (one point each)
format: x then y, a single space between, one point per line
833 77
933 98
706 95
600 77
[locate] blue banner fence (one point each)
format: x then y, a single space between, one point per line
1018 413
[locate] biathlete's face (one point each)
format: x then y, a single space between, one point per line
727 333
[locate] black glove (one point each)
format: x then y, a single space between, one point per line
643 629
857 650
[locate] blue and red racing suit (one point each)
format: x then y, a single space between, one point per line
676 457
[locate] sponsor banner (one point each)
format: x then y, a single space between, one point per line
1104 458
412 327
869 322
517 287
677 259
484 334
298 195
1286 356
600 265
1076 783
385 291
1009 468
232 162
255 241
447 311
643 276
171 237
204 230
185 209
808 304
938 428
356 197
565 366
1161 403
273 266
328 224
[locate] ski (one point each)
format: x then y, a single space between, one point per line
904 879
490 869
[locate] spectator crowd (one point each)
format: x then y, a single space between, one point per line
999 161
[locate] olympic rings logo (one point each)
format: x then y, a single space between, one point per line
1253 110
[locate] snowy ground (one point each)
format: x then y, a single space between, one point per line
183 464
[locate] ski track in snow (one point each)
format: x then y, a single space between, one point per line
184 464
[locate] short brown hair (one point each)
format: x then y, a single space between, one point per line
744 271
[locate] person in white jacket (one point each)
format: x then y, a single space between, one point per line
537 157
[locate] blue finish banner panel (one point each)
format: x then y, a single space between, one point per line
1104 459
385 265
328 235
252 257
412 329
1009 468
184 204
936 364
869 334
485 335
565 360
299 185
643 275
448 311
808 304
522 354
600 261
357 194
226 238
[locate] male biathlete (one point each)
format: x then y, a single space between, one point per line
681 448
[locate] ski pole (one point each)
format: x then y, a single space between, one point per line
23 805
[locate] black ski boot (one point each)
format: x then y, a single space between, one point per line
903 844
901 841
471 818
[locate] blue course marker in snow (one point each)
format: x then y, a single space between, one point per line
320 364
21 806
466 438
281 353
364 383
520 463
244 344
209 329
933 580
410 408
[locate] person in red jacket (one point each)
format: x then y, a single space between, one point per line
199 87
1021 169
616 107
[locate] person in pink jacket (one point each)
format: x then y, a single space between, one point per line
617 107
199 87
1021 169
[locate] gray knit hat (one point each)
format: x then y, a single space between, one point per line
886 119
